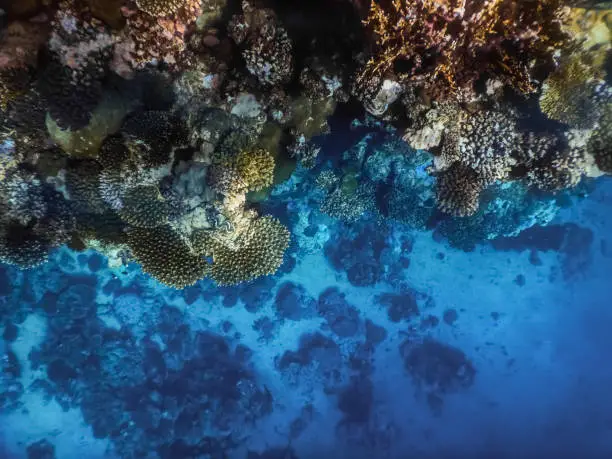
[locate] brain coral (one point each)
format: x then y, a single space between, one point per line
258 252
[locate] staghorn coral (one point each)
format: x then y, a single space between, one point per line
445 47
166 257
258 251
458 190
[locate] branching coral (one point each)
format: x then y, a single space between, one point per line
256 168
350 200
484 141
34 218
267 49
458 190
560 163
80 53
156 34
446 46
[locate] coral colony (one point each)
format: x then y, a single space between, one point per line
142 128
158 133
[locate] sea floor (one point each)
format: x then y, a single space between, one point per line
490 353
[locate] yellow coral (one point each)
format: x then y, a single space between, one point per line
256 168
258 252
590 27
567 94
159 7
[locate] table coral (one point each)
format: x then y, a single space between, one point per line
258 252
166 257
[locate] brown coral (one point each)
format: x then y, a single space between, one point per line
267 49
447 46
258 252
458 191
148 39
159 7
166 257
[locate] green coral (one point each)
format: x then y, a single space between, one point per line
166 257
258 252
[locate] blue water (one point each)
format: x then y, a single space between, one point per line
374 340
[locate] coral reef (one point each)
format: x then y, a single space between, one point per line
158 129
446 47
